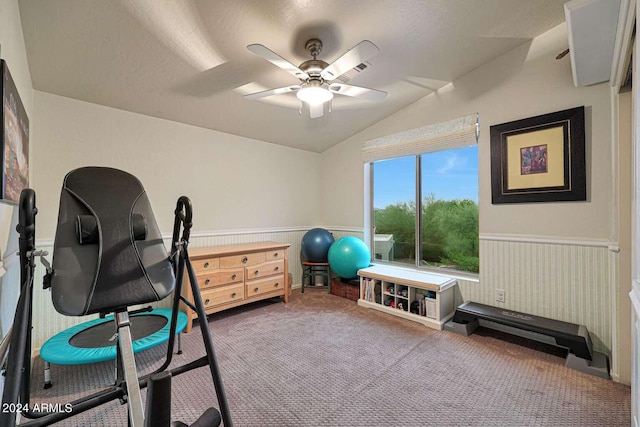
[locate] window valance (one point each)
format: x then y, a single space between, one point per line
456 133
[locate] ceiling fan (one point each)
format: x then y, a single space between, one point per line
317 84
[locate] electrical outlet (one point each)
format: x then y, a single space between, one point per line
500 295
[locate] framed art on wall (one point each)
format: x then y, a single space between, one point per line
15 140
539 159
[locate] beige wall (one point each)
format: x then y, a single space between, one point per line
525 82
233 182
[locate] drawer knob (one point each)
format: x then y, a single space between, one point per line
256 272
277 284
234 277
277 267
233 295
206 282
206 265
255 290
206 301
276 254
244 260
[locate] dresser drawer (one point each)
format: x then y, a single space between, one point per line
220 277
242 260
263 286
205 264
222 295
264 269
276 255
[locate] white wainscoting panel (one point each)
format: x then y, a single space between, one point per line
563 280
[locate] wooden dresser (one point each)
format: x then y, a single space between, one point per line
233 275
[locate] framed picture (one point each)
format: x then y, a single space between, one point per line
15 140
539 159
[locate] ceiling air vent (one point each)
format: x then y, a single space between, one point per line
346 77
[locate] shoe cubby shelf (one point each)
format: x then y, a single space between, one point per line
415 295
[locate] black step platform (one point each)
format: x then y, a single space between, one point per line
568 335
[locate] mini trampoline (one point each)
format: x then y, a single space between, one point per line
95 341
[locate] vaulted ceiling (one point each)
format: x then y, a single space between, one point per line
187 60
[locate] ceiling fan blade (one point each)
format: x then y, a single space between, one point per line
270 92
316 110
277 60
356 56
358 92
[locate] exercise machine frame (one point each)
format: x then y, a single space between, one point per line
16 393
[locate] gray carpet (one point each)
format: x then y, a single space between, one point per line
322 361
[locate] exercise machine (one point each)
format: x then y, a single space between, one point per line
108 256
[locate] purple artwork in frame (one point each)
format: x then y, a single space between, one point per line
15 140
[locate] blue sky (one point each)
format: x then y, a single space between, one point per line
451 174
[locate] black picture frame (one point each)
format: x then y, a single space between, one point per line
14 136
539 159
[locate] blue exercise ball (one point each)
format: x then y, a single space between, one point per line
348 255
315 244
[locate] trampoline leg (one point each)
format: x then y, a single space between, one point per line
180 343
47 375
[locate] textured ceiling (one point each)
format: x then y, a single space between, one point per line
187 61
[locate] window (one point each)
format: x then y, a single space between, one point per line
422 192
425 209
449 225
394 198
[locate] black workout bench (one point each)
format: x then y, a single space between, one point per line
567 335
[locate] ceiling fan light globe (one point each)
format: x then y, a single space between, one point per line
314 95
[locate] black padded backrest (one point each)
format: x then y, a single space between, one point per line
115 271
